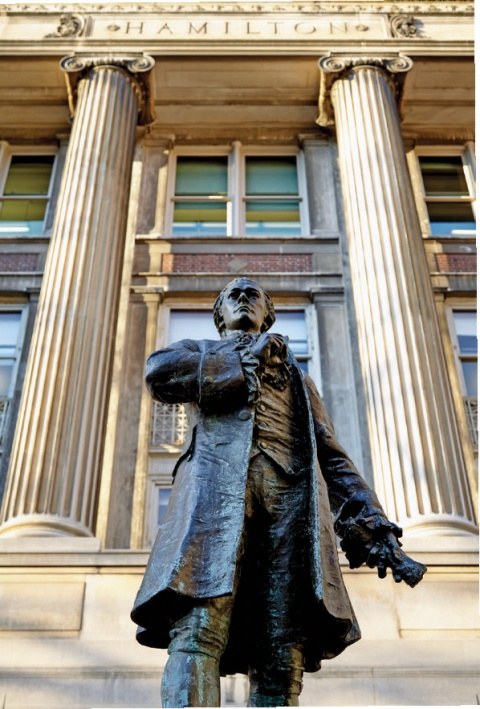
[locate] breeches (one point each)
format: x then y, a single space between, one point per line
270 588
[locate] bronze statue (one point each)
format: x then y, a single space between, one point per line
244 574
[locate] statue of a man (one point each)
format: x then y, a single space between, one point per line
244 574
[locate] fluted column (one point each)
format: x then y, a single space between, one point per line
418 464
55 462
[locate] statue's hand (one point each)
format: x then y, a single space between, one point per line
270 349
387 553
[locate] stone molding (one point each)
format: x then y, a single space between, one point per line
136 66
306 8
336 66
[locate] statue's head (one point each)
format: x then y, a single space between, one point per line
243 305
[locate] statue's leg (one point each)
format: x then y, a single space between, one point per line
191 677
276 679
282 585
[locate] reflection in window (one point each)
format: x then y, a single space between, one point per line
25 194
466 329
447 195
271 183
163 498
467 351
220 195
201 187
9 331
9 339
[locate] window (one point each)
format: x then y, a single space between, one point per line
237 192
25 183
11 336
449 193
466 348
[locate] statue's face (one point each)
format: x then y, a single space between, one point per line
244 307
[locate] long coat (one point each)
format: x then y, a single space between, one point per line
195 552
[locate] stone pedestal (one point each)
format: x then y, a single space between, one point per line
55 464
417 459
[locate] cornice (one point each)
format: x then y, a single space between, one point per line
307 8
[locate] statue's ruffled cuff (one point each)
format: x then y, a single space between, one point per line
250 366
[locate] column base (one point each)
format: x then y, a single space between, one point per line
438 525
43 525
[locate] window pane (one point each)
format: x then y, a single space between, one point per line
200 218
9 327
466 327
22 216
29 174
444 176
293 325
163 498
450 217
470 374
192 325
197 176
273 218
271 175
6 369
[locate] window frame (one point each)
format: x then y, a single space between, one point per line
236 197
453 306
22 327
7 152
465 153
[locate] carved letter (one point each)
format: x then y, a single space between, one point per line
131 26
249 31
198 30
227 30
339 27
165 28
305 28
275 26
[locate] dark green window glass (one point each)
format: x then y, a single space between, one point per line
271 176
28 176
201 176
444 177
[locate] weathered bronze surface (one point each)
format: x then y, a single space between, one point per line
244 574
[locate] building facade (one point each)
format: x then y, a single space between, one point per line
149 154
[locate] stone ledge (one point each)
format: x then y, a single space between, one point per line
15 557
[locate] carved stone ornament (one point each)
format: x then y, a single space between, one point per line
70 26
334 67
403 26
241 7
137 66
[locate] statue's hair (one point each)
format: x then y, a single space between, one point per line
218 307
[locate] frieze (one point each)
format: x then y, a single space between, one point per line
238 8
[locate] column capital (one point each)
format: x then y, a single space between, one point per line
337 66
136 66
